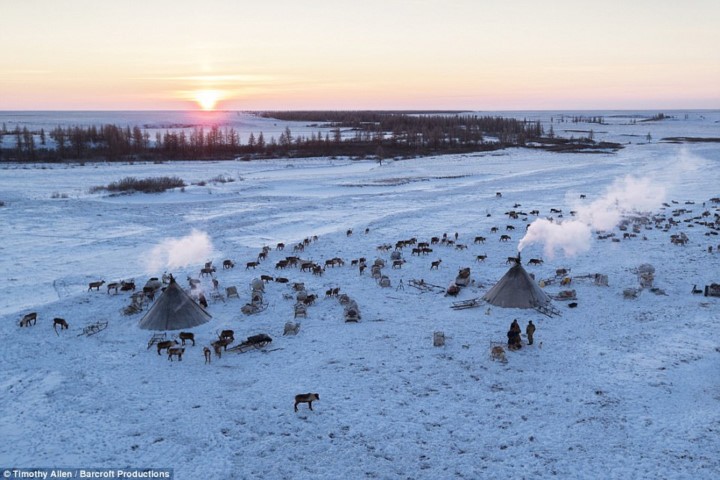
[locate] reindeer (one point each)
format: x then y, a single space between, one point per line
504 238
28 319
494 230
435 264
251 264
165 345
480 258
127 286
187 336
397 263
262 255
228 264
280 246
207 271
291 328
498 353
310 299
281 280
227 334
95 285
266 278
60 321
317 270
535 261
306 398
113 286
509 227
194 282
561 272
479 240
349 232
176 351
208 354
512 260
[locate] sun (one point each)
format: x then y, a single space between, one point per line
207 99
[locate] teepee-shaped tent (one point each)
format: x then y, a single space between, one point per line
174 310
516 289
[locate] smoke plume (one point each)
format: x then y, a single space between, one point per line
174 253
574 236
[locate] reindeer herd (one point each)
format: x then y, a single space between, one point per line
175 349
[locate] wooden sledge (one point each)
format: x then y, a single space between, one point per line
464 304
254 342
157 337
94 328
548 310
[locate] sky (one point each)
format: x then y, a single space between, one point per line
370 54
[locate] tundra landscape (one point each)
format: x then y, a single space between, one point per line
621 380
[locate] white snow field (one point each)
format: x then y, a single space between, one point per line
615 388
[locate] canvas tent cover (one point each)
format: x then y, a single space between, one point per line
174 310
516 289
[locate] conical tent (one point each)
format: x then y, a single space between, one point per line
516 289
174 310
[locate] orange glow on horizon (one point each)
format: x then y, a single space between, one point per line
208 99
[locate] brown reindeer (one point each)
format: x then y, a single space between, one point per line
208 354
504 238
535 261
280 246
221 344
306 398
60 321
227 334
113 286
207 271
435 264
251 264
481 258
95 285
397 263
281 280
187 336
175 351
28 319
166 344
479 240
498 353
266 278
227 264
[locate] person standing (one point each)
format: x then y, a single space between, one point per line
530 331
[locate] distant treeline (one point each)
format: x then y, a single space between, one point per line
358 134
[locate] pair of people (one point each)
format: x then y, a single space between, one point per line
514 341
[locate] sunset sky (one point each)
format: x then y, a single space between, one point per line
375 54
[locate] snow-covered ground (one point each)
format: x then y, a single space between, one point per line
615 388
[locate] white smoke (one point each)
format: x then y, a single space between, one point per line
574 236
174 253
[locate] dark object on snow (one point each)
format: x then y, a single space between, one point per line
572 305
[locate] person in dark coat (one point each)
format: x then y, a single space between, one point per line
515 326
514 342
202 300
530 331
